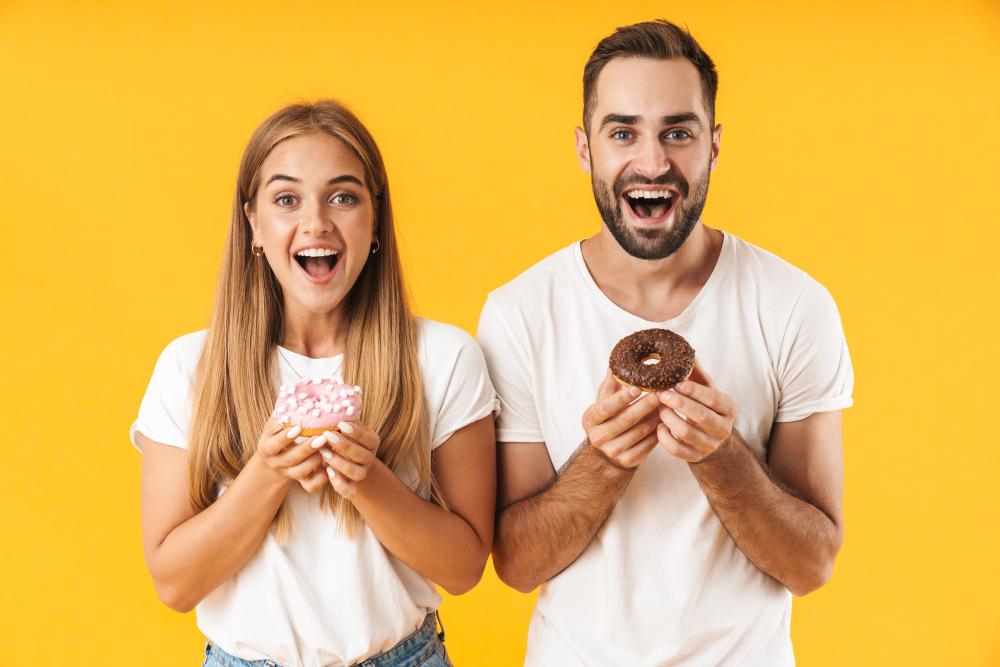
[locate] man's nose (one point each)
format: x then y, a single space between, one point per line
652 160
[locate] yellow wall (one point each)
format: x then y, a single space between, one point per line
860 143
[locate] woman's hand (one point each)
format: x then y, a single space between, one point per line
350 457
278 451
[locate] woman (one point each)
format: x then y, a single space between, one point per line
318 551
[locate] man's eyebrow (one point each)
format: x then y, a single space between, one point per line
333 181
619 119
687 117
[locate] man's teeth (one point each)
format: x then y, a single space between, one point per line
650 194
316 252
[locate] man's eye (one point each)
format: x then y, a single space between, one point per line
285 200
343 199
621 135
678 135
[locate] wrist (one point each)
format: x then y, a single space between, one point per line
366 487
604 463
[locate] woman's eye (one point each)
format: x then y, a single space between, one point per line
285 200
343 199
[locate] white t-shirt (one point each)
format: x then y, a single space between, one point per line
321 598
662 583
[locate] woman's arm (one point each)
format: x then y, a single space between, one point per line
449 547
189 555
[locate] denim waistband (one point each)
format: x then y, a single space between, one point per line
411 651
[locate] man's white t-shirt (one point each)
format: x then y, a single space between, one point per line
662 583
320 598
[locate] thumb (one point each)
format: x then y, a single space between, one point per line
609 386
699 375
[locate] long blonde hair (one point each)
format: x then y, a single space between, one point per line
237 379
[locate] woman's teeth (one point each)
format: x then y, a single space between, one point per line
315 252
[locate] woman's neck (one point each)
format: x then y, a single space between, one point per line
313 335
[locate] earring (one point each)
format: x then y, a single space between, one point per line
257 250
375 247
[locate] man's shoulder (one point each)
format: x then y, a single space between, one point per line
762 268
535 283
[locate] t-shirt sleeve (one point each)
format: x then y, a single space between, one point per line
507 361
166 406
458 387
814 370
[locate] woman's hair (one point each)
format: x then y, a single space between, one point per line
236 380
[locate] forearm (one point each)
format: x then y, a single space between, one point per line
538 537
201 553
783 535
437 543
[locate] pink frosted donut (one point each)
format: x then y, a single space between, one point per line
317 405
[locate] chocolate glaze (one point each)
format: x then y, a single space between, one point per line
676 359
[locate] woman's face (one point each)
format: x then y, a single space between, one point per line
314 218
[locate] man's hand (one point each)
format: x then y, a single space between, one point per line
622 430
709 414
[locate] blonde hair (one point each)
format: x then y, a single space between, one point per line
236 382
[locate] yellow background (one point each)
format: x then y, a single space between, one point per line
860 143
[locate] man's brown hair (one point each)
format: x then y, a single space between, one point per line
660 40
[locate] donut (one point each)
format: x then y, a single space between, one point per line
317 405
675 359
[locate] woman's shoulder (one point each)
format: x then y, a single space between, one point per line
438 340
179 358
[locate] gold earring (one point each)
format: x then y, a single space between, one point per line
257 250
375 249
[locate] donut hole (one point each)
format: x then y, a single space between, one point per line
651 359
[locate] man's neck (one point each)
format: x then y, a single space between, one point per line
655 290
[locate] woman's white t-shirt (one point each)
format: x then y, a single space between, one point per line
321 598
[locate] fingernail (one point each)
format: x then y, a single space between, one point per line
346 428
326 453
634 391
319 441
293 432
331 473
680 386
333 438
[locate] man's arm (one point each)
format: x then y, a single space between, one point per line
787 517
545 520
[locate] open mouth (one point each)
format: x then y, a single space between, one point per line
650 205
319 263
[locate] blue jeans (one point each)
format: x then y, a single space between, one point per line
423 648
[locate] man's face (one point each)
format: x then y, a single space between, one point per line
650 152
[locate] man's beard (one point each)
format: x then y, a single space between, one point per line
651 243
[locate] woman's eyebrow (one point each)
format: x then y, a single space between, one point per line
332 181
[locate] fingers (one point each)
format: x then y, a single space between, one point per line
708 396
617 446
305 468
633 457
688 432
695 412
350 449
359 433
681 450
616 415
610 405
699 375
349 469
274 440
608 386
314 481
341 484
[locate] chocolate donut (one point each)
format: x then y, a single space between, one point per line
675 359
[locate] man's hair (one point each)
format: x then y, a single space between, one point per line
660 40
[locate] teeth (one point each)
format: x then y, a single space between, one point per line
316 252
650 194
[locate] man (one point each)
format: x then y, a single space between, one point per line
677 532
